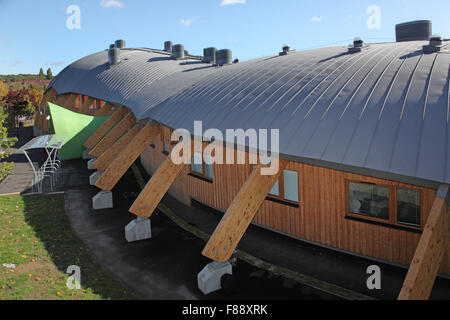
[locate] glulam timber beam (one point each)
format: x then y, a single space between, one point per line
240 214
50 96
430 251
126 158
156 188
113 135
84 109
103 162
117 116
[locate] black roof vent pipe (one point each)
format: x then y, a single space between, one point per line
209 55
168 46
358 45
121 44
223 57
414 30
178 52
435 45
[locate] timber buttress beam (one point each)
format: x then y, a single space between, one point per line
104 161
113 135
126 158
106 110
240 214
156 188
430 251
105 127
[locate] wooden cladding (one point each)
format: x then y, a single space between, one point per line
321 214
429 254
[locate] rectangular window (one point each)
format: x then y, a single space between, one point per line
369 200
200 169
285 188
389 205
166 150
408 206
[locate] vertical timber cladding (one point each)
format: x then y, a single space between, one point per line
321 216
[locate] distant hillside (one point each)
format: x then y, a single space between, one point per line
22 78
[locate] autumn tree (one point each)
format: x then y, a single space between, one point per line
3 90
17 104
5 143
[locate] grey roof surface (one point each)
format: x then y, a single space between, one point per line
384 109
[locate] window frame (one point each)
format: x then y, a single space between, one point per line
280 198
393 214
202 176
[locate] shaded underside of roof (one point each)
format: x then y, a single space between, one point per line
384 109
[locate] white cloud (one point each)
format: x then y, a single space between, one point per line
317 19
229 2
187 22
111 3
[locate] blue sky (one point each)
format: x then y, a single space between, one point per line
34 34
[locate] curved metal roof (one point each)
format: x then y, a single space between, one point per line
384 109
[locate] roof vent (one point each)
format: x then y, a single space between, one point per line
120 44
286 50
113 56
358 45
168 46
435 45
224 57
112 46
178 52
413 31
236 60
209 55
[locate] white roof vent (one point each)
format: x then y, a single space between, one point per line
358 45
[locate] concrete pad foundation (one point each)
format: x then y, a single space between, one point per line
90 163
94 177
138 229
103 200
209 279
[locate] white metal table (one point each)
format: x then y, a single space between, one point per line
52 166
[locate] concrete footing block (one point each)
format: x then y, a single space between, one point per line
138 229
94 177
90 164
103 200
209 279
86 155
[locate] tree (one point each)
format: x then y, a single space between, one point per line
41 74
49 74
5 143
3 90
17 104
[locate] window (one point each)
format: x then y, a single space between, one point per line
286 188
369 200
153 144
408 206
390 205
200 168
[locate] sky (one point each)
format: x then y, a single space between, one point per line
55 33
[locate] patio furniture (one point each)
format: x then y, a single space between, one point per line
51 168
